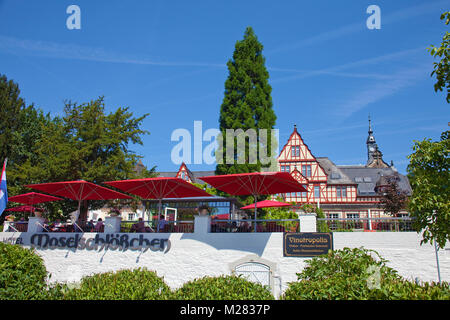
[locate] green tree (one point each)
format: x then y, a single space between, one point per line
441 68
86 143
247 102
11 108
428 173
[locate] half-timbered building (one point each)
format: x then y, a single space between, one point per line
342 191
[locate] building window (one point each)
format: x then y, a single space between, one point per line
316 192
306 170
295 151
333 216
131 216
304 193
353 215
341 192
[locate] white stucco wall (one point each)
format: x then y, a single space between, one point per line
199 254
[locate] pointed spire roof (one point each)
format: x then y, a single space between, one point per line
370 138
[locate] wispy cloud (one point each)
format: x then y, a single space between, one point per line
396 16
401 79
78 52
359 63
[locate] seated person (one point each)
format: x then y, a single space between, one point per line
233 227
162 223
99 225
56 226
244 226
139 226
90 226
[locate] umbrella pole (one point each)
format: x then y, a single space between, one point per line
159 214
254 227
79 211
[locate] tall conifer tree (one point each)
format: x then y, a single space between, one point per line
247 103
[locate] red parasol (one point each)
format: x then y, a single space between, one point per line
31 198
224 216
79 190
159 188
267 204
255 183
22 209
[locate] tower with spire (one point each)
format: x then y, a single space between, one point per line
371 144
374 155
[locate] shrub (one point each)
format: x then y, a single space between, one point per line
222 288
22 274
137 284
348 274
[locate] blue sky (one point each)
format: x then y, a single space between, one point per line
327 70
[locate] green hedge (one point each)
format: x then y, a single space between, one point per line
222 288
137 284
342 274
350 274
22 274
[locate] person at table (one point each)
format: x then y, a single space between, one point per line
162 223
243 225
139 226
56 226
90 226
99 225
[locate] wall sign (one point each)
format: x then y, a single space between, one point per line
121 242
307 244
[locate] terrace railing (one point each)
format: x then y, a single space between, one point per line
15 226
79 226
403 224
279 225
152 226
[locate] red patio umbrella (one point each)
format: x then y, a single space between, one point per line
79 190
255 183
32 198
22 209
224 216
267 204
159 188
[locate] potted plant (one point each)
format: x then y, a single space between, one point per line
114 212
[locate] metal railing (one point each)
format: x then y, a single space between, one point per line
279 225
152 226
403 224
15 226
79 226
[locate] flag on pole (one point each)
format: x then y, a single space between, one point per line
3 190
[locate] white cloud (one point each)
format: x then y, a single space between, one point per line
401 79
77 52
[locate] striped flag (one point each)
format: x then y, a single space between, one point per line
3 189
